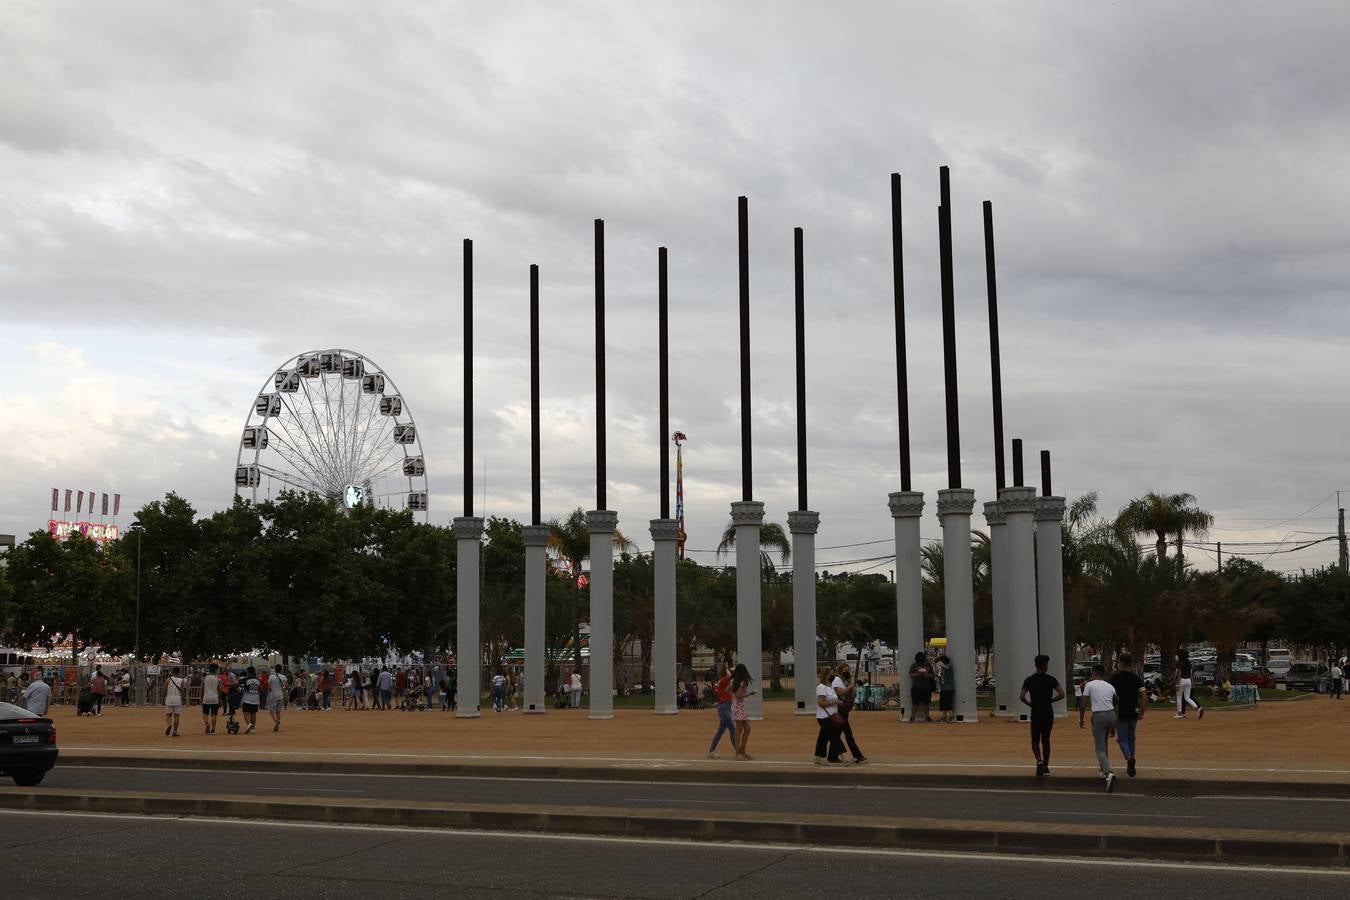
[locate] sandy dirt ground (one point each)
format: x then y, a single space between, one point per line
1307 740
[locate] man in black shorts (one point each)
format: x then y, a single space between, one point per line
210 698
1041 691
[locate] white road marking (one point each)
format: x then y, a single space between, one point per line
1341 873
1071 812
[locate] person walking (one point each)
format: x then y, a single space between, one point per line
1183 684
946 685
725 723
210 698
498 690
1131 701
98 687
1100 697
36 697
276 696
174 692
1334 685
921 688
828 745
1041 691
845 688
574 688
252 698
740 689
386 683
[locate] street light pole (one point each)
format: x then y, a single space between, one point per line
140 673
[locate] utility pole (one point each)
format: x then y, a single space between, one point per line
1340 535
1219 544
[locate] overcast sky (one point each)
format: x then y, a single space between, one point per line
191 193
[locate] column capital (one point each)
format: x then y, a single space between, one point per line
994 514
665 529
602 521
467 528
1021 499
536 535
955 501
905 503
747 512
803 521
1049 509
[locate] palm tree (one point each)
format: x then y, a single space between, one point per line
571 540
1234 604
771 537
1164 515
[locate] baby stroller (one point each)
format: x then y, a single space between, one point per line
232 701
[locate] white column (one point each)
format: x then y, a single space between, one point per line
468 640
906 508
536 563
665 535
601 524
804 524
1050 590
1018 504
747 516
954 508
1005 691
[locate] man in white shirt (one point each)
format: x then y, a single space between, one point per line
1100 696
574 689
276 696
210 698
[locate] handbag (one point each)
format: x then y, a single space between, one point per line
837 720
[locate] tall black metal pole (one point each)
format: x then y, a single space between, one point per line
901 363
536 515
663 362
1018 480
468 377
600 364
1045 474
949 333
995 369
799 277
747 478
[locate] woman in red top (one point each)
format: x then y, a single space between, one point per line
724 722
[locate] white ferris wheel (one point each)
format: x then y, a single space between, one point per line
334 423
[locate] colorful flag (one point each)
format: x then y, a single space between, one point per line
117 504
79 502
105 504
68 499
56 496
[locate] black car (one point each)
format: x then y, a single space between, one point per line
27 745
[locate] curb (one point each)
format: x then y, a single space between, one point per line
807 776
814 831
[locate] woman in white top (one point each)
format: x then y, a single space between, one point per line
828 745
174 692
1100 695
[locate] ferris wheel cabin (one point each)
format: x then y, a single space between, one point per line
255 438
247 476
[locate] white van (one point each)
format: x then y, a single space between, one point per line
1278 662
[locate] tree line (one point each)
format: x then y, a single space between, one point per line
298 576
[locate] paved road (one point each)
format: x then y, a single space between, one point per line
1012 804
63 856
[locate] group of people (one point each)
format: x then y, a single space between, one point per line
924 679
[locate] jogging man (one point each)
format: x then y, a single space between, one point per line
276 697
1041 691
252 698
1131 701
210 698
1100 696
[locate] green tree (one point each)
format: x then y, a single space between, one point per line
63 591
1164 516
771 537
1234 603
571 540
634 612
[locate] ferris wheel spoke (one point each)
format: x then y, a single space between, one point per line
324 437
320 459
376 449
362 448
297 461
374 463
284 477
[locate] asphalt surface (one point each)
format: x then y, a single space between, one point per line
63 856
1014 803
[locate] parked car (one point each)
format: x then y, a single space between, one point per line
1306 676
1244 671
27 745
1278 662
